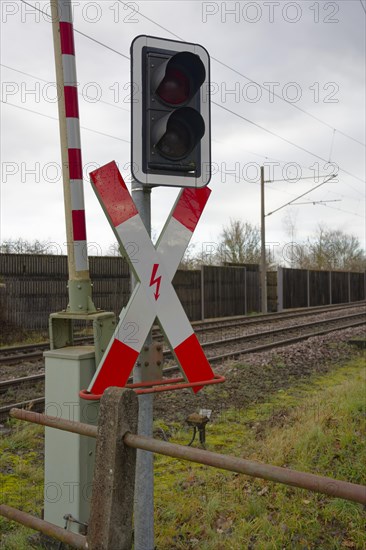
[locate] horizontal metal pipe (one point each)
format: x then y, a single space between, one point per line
54 422
319 484
75 540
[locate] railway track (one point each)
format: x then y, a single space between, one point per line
33 352
219 350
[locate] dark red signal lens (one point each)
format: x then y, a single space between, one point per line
174 89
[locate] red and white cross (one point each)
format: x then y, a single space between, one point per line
154 295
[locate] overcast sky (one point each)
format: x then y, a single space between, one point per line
312 54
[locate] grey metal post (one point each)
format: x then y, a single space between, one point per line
144 485
263 248
308 287
280 288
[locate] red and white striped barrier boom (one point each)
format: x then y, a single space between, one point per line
70 140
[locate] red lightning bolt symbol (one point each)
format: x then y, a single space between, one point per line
155 280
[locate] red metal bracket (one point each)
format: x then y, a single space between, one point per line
155 386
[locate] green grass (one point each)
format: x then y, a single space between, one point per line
21 480
317 426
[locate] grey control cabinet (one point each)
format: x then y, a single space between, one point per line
69 457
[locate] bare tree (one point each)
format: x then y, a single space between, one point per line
333 249
292 248
240 243
191 259
22 246
330 249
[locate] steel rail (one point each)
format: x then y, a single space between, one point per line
280 343
35 350
5 384
63 535
275 316
277 474
272 332
39 402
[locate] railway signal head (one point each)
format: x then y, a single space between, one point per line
170 113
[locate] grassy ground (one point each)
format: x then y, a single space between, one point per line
317 427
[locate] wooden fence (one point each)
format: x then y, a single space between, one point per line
35 286
306 288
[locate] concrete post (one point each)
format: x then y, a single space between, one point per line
110 525
330 288
263 248
245 292
349 286
280 289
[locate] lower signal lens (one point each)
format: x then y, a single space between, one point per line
181 132
176 143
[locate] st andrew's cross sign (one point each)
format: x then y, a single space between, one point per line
154 295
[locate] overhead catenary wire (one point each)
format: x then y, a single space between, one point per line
79 32
221 106
300 196
331 145
84 96
115 137
314 177
130 6
324 203
316 202
286 141
266 158
296 196
344 211
55 118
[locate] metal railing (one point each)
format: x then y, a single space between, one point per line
110 525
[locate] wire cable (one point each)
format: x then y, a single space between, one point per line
86 97
300 196
288 102
56 118
344 211
79 32
126 5
286 141
221 106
